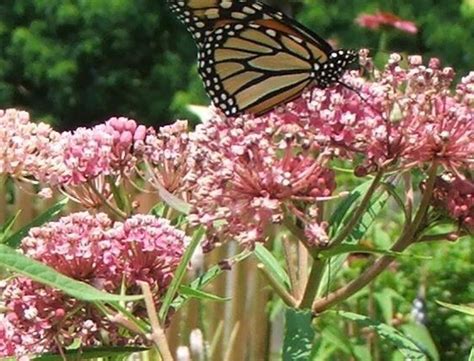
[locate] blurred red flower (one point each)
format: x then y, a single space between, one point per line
380 18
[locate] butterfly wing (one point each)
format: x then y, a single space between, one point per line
252 57
254 68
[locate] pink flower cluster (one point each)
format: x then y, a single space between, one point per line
95 250
381 18
248 173
87 153
456 196
21 143
405 117
166 153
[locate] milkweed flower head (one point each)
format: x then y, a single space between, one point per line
455 196
95 250
125 133
246 172
406 116
81 160
22 141
166 153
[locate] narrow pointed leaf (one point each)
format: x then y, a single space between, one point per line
340 218
460 308
7 227
355 248
180 272
46 275
92 353
15 239
206 278
200 295
272 265
404 344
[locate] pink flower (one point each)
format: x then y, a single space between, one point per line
166 153
456 196
92 249
21 142
246 172
150 250
125 132
404 117
79 162
375 21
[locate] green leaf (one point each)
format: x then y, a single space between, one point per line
179 273
200 295
46 275
206 278
385 301
299 335
341 217
333 334
460 308
272 265
91 353
15 239
422 337
343 211
405 345
7 227
471 356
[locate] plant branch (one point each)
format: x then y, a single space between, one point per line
359 212
122 215
277 287
407 238
312 285
158 336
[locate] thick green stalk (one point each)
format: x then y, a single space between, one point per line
407 238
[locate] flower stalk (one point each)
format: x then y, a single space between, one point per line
405 240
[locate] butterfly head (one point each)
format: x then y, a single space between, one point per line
333 68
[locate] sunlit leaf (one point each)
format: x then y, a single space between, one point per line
180 272
422 337
92 353
46 275
200 295
272 265
206 278
460 308
15 239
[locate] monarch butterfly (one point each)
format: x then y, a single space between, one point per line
253 58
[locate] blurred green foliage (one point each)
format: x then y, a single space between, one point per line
80 61
75 62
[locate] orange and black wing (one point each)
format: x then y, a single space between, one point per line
252 57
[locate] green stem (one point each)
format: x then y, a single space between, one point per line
3 199
120 195
407 238
122 215
359 212
277 287
314 279
158 336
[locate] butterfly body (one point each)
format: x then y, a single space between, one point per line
253 58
